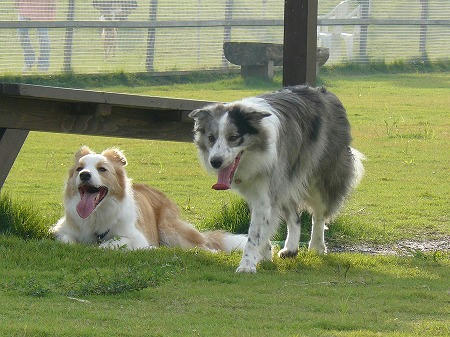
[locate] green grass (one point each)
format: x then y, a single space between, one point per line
21 219
51 289
399 121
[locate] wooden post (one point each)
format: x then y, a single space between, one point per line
151 37
68 41
227 29
300 42
423 31
11 140
365 13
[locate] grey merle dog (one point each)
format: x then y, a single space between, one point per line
283 152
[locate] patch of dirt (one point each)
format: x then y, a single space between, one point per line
404 247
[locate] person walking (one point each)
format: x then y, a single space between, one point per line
35 10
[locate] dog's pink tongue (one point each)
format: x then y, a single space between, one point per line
224 178
86 204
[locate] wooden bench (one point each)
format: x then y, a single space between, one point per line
39 108
258 59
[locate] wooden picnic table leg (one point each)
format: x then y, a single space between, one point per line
11 141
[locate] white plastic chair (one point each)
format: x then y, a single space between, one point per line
331 36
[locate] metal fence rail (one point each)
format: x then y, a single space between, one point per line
89 36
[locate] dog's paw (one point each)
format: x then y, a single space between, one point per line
246 269
318 247
286 253
114 243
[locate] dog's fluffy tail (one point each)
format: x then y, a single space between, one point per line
358 158
228 242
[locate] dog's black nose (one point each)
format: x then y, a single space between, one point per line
85 176
216 162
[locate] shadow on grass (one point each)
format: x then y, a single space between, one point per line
42 267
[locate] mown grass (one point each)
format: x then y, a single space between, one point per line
399 121
50 289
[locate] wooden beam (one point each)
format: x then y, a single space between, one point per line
94 119
11 142
89 96
300 42
88 112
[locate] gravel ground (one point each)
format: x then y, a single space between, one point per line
404 247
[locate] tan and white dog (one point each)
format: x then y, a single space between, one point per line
103 207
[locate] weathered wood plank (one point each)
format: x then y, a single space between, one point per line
51 109
89 96
11 142
94 119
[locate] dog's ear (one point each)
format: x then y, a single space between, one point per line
84 150
115 155
243 113
199 113
256 116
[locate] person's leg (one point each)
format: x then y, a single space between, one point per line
44 49
28 52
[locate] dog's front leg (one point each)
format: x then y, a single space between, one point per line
258 236
128 240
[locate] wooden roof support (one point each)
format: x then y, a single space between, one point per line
300 42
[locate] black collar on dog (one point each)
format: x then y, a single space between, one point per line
101 236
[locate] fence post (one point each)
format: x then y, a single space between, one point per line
365 12
423 31
300 42
151 37
199 5
227 29
68 41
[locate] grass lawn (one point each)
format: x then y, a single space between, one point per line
400 122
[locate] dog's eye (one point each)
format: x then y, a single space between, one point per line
233 138
211 139
79 168
102 169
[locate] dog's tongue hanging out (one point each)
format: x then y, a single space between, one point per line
90 198
225 176
87 204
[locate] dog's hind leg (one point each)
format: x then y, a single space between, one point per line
293 223
318 208
317 242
